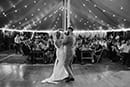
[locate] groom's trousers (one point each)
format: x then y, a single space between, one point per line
68 63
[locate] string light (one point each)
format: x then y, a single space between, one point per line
89 11
75 16
38 9
40 22
45 4
124 19
102 21
26 19
13 25
15 11
90 26
70 12
4 14
80 21
121 8
95 5
75 31
19 22
95 16
85 24
84 5
50 15
45 18
32 14
56 22
104 10
34 1
58 18
108 25
25 6
113 15
13 6
59 14
87 0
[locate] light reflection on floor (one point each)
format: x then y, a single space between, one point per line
22 75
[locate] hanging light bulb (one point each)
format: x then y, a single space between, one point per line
95 16
25 6
19 22
45 18
104 10
56 22
95 5
124 19
84 5
45 4
34 1
50 15
13 6
90 11
75 16
26 19
85 23
59 14
4 14
32 14
113 15
58 18
90 26
121 8
38 9
13 26
15 11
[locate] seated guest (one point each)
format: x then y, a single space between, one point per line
17 41
98 50
78 52
125 48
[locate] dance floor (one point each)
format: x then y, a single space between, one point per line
96 75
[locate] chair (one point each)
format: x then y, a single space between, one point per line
88 54
99 56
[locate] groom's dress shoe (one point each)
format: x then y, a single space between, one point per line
69 79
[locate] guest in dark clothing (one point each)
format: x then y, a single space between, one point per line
125 49
98 50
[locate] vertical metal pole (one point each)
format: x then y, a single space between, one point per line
64 6
68 13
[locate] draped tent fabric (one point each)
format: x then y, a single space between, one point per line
35 14
49 14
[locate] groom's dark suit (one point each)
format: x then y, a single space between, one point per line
68 43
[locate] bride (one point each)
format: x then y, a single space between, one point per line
59 71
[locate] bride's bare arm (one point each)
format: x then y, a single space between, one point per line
57 43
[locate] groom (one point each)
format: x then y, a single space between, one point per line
68 43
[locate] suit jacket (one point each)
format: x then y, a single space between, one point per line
68 44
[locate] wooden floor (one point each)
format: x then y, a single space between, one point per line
97 75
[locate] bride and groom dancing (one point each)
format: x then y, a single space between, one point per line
62 70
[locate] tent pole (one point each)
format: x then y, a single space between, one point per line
68 13
65 12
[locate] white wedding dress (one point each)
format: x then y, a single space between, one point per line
59 71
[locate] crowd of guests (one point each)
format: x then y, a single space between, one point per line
115 48
37 46
40 47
